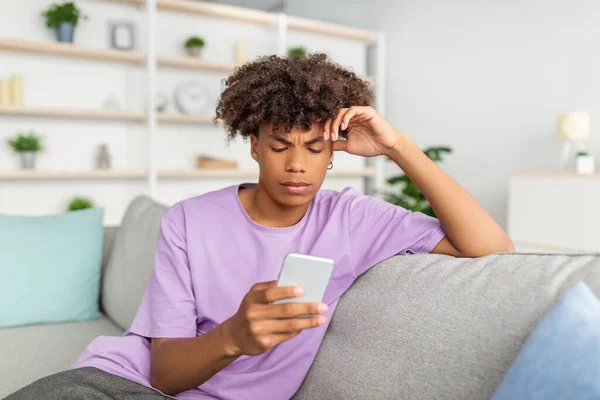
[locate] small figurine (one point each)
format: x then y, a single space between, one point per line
103 160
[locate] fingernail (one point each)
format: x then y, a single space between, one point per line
322 308
322 320
298 291
343 125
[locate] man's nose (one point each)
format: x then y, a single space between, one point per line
296 161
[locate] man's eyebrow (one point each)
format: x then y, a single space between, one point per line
287 142
280 139
313 141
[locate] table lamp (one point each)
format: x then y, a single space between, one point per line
573 128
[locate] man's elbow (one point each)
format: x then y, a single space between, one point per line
500 246
509 246
158 382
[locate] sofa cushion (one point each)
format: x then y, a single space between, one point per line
50 267
561 358
29 353
130 264
439 327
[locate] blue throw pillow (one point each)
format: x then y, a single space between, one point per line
50 267
561 358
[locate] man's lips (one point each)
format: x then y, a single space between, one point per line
295 184
296 187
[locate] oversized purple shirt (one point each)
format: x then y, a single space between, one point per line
210 253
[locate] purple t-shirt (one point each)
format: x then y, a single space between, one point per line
210 253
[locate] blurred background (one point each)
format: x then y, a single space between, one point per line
101 101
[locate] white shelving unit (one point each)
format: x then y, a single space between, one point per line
151 62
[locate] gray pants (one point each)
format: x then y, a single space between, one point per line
85 383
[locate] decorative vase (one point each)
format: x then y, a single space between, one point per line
240 52
65 32
103 159
584 165
194 51
27 159
16 90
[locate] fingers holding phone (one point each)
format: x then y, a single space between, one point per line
260 325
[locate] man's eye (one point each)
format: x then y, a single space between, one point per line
315 151
278 150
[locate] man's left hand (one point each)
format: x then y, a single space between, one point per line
369 134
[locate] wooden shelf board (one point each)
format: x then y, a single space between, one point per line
218 11
326 28
371 79
108 115
194 63
245 173
70 175
265 18
17 175
185 119
71 50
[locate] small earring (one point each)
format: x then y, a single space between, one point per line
330 166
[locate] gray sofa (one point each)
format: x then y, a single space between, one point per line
415 326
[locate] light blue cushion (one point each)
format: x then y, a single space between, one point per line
50 267
561 357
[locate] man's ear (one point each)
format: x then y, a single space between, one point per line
254 146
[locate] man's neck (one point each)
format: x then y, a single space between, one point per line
263 210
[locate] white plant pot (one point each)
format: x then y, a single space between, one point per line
27 159
585 165
194 51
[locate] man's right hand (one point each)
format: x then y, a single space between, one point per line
259 325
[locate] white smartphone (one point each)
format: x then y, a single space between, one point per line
309 272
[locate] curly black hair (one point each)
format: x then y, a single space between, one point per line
294 92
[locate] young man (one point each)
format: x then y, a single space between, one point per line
206 327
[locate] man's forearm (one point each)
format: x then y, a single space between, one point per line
468 226
182 364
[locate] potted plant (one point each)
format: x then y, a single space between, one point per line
26 146
194 45
298 51
410 197
64 18
80 203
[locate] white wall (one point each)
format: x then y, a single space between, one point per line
488 78
72 145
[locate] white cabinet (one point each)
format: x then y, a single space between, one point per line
554 212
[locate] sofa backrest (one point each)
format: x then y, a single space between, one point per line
438 327
130 260
414 326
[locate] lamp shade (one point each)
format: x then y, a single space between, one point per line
574 125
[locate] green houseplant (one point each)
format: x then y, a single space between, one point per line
410 197
26 146
63 17
80 203
194 45
298 51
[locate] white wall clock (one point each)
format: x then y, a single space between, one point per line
192 98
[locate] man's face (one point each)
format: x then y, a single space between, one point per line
292 165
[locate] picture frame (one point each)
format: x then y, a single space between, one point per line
122 35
